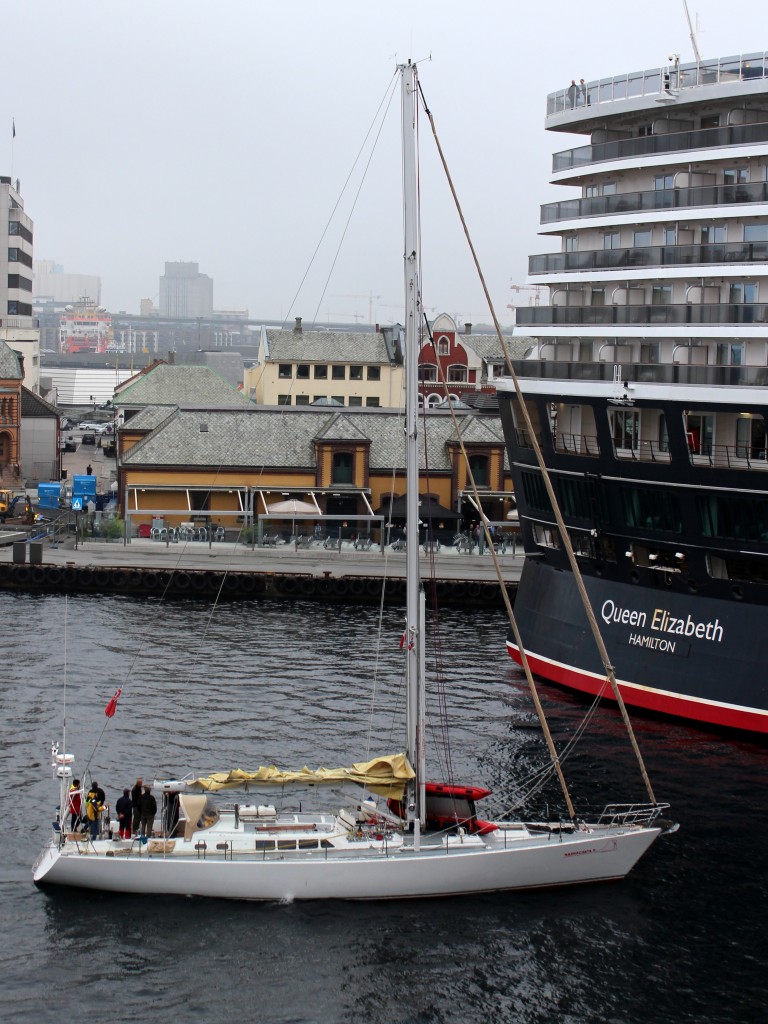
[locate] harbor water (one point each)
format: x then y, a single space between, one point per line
681 940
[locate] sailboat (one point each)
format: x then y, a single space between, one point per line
405 837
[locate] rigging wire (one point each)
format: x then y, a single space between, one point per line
384 103
609 671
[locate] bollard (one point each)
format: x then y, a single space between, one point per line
36 553
19 552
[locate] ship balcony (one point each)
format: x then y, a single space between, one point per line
724 72
731 313
650 256
704 139
708 456
657 200
631 372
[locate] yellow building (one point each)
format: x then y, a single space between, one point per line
224 469
341 368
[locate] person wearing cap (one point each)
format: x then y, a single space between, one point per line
124 808
135 798
148 809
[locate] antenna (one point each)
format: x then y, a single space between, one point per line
696 53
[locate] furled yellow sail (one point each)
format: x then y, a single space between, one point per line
385 776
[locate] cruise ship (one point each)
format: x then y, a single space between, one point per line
646 384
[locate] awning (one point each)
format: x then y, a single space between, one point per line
385 776
429 510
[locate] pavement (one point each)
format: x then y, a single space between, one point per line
316 560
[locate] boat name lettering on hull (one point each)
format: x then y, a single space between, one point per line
661 622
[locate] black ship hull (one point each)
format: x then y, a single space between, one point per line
699 658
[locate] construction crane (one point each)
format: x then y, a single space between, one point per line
535 298
371 299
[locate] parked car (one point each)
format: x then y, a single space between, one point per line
94 428
67 445
88 438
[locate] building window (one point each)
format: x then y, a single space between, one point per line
302 371
302 399
339 372
321 372
283 399
19 256
457 374
355 400
285 370
642 238
341 470
611 240
478 464
355 373
428 372
16 308
374 373
372 403
443 346
338 398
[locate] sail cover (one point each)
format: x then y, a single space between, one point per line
385 776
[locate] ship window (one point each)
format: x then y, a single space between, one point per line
750 436
571 243
611 239
661 295
730 354
743 291
597 297
625 427
642 237
756 232
575 497
650 352
609 188
521 431
670 235
662 181
711 233
546 536
736 176
590 191
586 349
731 518
700 433
535 492
650 509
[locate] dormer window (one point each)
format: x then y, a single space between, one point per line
443 347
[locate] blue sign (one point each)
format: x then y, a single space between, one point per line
77 504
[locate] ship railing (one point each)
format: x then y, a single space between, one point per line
642 451
622 815
655 199
577 444
644 315
671 78
726 456
710 253
523 439
649 145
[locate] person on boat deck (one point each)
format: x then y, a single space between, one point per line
94 806
124 808
148 808
75 806
135 798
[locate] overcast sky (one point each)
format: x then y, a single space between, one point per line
223 133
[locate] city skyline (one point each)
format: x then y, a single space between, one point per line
162 135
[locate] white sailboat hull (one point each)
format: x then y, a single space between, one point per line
484 866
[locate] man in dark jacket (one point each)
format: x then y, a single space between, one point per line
148 808
135 799
124 808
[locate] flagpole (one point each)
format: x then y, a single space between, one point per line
13 145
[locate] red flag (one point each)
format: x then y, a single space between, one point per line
402 641
110 709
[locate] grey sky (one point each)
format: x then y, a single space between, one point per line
223 133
